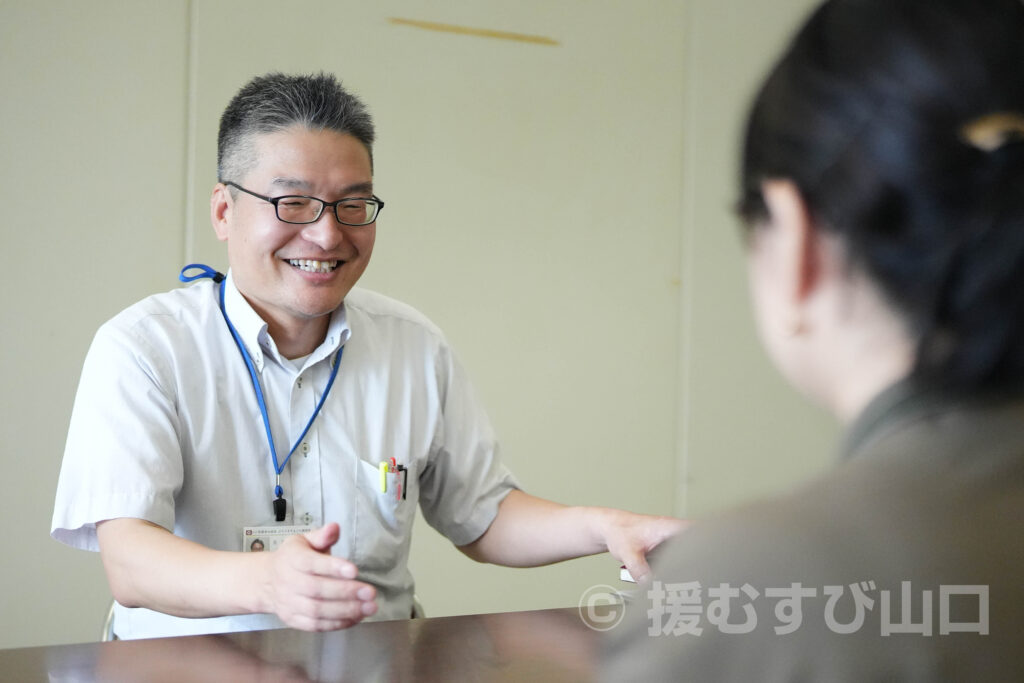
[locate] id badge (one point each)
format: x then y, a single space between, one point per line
256 539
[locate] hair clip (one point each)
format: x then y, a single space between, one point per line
990 132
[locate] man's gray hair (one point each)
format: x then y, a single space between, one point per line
277 101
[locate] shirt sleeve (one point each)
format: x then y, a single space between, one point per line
123 456
465 479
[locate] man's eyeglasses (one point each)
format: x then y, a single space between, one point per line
300 210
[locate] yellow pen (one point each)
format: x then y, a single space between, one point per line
384 477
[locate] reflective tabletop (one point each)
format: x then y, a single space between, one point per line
547 645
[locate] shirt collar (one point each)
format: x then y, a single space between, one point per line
882 413
908 401
338 332
252 329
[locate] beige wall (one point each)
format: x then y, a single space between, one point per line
561 211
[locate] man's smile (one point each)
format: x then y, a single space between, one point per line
311 266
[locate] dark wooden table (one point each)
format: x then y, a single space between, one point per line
545 645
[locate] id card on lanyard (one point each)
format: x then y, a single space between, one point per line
257 539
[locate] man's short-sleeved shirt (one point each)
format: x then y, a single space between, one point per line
166 428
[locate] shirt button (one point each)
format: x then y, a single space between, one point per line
305 450
299 381
307 518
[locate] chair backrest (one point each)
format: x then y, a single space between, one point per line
107 634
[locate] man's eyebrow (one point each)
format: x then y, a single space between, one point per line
357 189
290 183
304 186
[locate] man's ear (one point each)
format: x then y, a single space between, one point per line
799 240
221 206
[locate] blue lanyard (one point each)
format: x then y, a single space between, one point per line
279 503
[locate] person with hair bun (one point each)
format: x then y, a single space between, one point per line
882 191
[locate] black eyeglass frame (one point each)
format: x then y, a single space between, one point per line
374 199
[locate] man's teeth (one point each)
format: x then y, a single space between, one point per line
314 266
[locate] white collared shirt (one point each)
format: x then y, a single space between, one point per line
166 428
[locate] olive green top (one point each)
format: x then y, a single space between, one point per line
928 497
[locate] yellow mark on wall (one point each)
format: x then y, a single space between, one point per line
467 31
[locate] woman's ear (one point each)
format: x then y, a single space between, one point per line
797 240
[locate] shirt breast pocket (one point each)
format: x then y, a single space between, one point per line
384 512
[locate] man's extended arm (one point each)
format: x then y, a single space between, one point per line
530 531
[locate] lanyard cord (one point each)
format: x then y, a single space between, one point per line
206 271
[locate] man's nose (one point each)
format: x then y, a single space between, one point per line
327 232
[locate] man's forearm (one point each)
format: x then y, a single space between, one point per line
147 566
300 582
530 531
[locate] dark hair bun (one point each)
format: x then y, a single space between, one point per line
902 123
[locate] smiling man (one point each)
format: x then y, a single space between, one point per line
278 403
295 274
